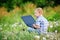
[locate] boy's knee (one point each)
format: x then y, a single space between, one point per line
30 29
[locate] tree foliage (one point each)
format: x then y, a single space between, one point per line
40 3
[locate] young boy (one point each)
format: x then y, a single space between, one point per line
41 23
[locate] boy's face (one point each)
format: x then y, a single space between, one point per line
37 13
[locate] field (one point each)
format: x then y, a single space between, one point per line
12 26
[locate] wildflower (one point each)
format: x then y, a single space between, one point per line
55 31
44 38
36 37
0 28
51 26
14 25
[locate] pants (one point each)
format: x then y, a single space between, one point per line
39 31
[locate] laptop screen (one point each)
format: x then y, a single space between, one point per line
29 20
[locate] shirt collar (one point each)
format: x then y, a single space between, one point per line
39 16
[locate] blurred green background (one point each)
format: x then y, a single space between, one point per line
11 24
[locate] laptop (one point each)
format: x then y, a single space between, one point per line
28 20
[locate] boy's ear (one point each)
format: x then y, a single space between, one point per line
39 11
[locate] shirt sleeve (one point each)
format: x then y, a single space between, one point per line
46 23
42 22
37 22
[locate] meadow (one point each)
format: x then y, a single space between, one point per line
12 26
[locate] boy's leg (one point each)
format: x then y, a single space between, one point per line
34 30
31 29
44 30
38 31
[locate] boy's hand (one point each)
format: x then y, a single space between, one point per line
36 26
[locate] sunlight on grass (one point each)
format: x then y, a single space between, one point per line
11 24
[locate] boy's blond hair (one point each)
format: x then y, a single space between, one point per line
39 10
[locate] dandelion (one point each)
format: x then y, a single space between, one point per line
17 23
5 25
36 37
56 24
0 28
14 25
5 38
47 35
20 25
44 38
55 31
51 26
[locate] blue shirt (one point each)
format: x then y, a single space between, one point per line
43 23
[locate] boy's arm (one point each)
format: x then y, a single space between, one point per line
36 26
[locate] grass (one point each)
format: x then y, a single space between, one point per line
11 24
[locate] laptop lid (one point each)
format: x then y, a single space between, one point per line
29 20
